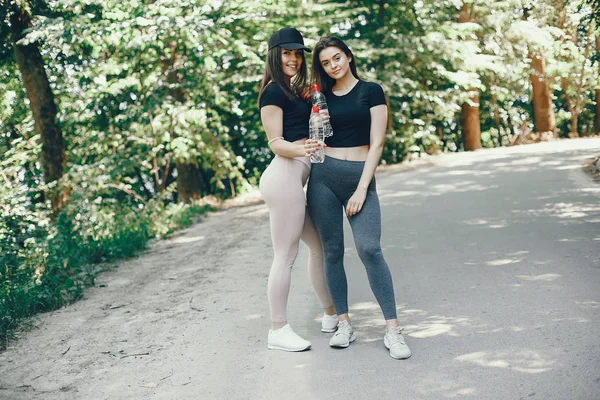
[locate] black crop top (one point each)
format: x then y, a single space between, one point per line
351 114
295 113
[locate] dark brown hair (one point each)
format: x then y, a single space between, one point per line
319 76
274 73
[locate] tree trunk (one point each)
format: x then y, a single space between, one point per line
470 122
542 102
598 91
470 113
189 174
41 102
189 182
543 113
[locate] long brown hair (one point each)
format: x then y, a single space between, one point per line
319 76
274 73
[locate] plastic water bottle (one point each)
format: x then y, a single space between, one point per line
318 99
317 131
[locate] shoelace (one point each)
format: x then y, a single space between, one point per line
395 336
343 329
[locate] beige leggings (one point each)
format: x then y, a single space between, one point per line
281 186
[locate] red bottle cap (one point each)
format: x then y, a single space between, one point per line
315 108
315 88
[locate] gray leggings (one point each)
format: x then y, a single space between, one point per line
331 185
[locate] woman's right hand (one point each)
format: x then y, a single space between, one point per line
311 145
323 116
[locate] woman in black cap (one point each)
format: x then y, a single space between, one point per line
285 115
345 180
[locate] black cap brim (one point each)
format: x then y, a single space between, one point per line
295 46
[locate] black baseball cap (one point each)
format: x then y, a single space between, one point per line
289 39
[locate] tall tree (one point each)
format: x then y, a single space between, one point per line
470 108
190 183
41 98
543 111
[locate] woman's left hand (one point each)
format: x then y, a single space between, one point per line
312 145
356 202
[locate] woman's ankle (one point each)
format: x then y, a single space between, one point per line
344 317
391 324
329 310
277 325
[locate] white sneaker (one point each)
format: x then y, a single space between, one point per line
394 341
344 335
329 323
287 340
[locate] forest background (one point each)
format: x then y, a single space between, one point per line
117 118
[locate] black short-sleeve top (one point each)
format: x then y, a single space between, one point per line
351 114
296 113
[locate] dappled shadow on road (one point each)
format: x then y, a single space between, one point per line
444 386
510 193
526 361
439 189
368 322
486 172
566 213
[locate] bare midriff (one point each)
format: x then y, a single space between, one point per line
358 153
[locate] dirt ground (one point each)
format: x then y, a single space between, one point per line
135 313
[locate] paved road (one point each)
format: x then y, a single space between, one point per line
495 257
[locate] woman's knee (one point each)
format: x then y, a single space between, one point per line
286 257
312 241
315 254
334 255
370 254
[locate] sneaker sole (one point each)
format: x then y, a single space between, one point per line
287 349
400 358
343 346
329 330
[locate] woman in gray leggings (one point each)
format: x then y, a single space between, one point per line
358 115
